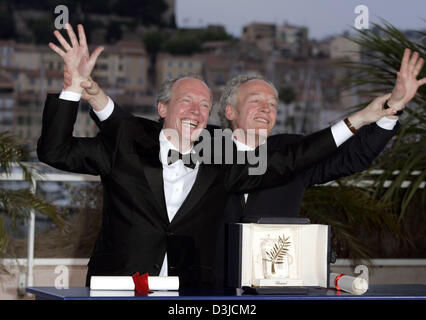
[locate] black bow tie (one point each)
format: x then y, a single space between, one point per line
175 155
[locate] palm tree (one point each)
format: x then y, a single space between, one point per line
356 211
405 160
18 204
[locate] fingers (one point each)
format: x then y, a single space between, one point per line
389 112
383 99
418 67
377 106
62 40
94 89
71 35
86 84
392 110
55 48
82 35
91 88
85 95
379 102
95 55
73 38
405 60
413 62
421 82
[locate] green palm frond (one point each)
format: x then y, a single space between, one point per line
375 74
351 211
4 239
17 205
10 153
11 156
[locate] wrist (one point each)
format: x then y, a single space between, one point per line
392 117
98 101
356 120
75 85
394 104
74 88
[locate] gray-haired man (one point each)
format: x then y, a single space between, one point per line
161 218
248 104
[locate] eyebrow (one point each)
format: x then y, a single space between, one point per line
190 95
258 94
254 94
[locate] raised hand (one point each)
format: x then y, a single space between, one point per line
78 62
373 112
91 91
406 82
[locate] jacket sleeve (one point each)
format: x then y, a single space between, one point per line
116 116
280 164
58 148
355 155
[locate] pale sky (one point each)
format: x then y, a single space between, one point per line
322 17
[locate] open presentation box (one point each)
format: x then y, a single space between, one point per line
272 255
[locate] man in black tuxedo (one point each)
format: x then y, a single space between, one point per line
158 217
244 107
355 155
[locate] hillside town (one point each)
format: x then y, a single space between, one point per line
138 58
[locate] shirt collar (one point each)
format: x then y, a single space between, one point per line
166 145
242 146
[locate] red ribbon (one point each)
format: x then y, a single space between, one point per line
141 283
337 279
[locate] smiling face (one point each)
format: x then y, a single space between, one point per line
188 110
255 107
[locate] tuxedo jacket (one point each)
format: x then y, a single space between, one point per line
135 232
355 155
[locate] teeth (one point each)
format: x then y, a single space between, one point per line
261 120
190 123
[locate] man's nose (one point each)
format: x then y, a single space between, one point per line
195 108
264 107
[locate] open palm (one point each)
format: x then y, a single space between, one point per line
76 56
406 83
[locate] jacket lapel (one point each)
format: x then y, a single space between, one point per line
250 200
205 177
154 176
148 150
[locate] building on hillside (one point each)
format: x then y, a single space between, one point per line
170 66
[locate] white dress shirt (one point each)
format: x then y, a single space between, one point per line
179 179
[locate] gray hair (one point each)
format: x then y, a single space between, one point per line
165 93
230 95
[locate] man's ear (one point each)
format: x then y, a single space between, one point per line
230 112
162 110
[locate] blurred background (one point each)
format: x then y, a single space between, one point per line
322 65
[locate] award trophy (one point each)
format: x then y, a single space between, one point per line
280 255
275 258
